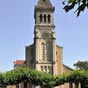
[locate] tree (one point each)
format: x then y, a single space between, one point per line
28 75
82 65
80 5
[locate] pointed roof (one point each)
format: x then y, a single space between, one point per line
44 4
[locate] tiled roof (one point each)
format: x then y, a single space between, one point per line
19 62
44 4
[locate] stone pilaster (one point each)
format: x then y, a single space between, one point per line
36 52
54 53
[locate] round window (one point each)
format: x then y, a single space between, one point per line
45 36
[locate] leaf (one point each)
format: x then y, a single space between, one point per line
63 2
70 1
80 8
79 4
66 8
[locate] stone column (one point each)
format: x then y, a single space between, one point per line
36 40
54 53
36 52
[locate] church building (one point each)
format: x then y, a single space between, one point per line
44 54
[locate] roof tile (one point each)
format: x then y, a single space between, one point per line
20 62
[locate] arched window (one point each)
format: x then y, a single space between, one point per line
43 51
40 18
49 18
44 18
49 70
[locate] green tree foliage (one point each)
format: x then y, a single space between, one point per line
32 76
26 74
80 5
82 65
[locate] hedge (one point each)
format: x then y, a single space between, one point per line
26 74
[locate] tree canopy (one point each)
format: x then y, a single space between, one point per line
80 5
82 65
25 74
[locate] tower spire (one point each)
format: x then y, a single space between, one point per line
44 4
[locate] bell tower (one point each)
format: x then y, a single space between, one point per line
45 37
44 55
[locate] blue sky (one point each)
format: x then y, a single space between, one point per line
17 28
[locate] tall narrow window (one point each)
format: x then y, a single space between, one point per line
40 18
47 52
43 52
49 69
44 18
45 68
42 68
49 18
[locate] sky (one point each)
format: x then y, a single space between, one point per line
17 31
